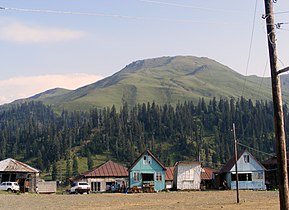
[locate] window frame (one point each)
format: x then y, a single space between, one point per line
145 162
246 158
136 176
159 177
150 160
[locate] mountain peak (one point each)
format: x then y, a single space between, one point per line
147 63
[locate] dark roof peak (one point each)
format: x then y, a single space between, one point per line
142 154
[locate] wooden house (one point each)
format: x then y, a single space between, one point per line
169 177
251 173
109 176
16 171
147 173
187 175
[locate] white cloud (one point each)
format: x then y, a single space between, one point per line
23 87
15 31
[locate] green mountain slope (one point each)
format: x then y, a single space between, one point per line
165 80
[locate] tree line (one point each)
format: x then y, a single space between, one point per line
33 132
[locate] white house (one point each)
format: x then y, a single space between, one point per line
251 172
187 175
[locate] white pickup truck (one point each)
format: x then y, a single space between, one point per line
80 187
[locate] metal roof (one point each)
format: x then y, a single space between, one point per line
11 165
169 175
207 173
107 169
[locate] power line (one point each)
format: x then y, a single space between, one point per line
255 149
71 13
250 47
203 8
284 29
188 6
281 12
264 72
112 16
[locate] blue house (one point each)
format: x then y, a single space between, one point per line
147 173
251 172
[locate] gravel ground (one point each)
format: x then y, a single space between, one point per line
164 200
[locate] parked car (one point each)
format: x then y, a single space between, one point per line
10 186
80 187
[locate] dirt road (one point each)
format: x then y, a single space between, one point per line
164 200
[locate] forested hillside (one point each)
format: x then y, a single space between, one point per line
33 133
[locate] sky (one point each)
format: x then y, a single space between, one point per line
71 43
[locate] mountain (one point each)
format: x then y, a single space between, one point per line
46 94
164 80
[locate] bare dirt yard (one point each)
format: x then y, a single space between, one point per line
164 200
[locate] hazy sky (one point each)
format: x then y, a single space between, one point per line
90 39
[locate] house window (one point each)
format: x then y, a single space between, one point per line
135 176
158 176
242 177
149 159
260 175
145 159
95 186
188 175
246 158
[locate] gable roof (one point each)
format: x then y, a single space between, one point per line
169 175
11 165
230 164
207 173
141 155
107 169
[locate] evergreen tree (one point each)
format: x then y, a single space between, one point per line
89 162
68 170
54 171
75 166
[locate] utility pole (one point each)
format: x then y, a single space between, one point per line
236 160
278 110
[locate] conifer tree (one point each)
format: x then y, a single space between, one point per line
75 166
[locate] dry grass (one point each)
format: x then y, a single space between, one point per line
170 200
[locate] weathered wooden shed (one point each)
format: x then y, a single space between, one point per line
16 171
104 176
251 173
147 173
187 175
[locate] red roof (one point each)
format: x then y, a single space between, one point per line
107 169
169 175
207 173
